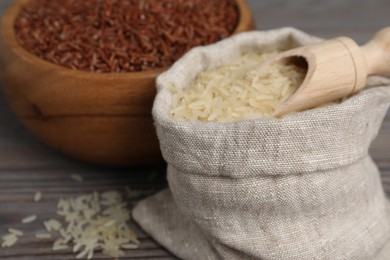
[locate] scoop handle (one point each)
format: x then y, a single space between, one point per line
377 53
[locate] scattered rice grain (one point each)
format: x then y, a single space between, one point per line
37 196
15 232
43 236
59 245
52 225
9 240
130 246
29 219
95 222
76 177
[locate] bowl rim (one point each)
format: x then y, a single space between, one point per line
245 21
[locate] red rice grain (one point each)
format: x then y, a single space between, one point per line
121 35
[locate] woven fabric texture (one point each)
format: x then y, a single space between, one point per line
302 187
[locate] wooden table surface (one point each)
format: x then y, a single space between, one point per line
26 165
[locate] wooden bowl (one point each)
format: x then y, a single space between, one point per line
100 118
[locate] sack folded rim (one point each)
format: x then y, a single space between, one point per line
193 140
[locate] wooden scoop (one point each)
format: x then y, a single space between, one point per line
336 68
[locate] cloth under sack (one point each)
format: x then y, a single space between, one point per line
303 187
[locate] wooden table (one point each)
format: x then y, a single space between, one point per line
26 165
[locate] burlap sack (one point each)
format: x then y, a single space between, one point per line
303 187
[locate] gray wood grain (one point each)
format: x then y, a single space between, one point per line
27 165
17 188
355 18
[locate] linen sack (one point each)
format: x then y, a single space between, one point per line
302 187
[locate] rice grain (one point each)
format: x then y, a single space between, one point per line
9 240
29 219
37 196
236 91
15 232
52 225
43 236
94 222
76 177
